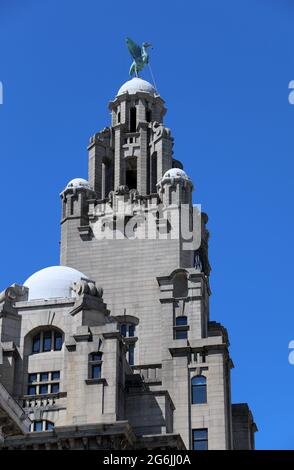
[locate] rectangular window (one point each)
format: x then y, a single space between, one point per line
55 375
96 371
131 354
57 341
132 330
49 426
123 330
200 439
181 334
32 390
32 378
96 356
55 388
36 344
44 376
47 341
43 389
38 426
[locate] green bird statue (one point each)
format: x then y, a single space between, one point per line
139 54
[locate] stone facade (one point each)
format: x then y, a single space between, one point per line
137 362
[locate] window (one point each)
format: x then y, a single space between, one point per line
131 354
131 172
57 341
95 365
36 344
127 330
123 330
133 119
200 439
43 383
180 284
38 426
148 115
45 341
42 425
181 328
199 389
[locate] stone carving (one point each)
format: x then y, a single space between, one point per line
87 287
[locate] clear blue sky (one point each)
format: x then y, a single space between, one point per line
223 68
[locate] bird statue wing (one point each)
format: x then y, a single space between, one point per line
134 49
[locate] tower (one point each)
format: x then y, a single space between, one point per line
115 348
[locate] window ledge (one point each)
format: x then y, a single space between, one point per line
95 381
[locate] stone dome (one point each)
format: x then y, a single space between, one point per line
78 183
175 173
53 282
135 85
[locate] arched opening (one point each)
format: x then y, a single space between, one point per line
180 285
133 119
198 390
153 172
131 173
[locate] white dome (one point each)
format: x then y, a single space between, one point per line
78 183
135 85
175 173
53 282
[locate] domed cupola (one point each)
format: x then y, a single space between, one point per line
136 85
53 282
175 187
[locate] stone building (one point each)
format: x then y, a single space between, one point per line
114 348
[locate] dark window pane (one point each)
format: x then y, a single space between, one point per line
32 390
200 441
181 321
32 378
199 394
199 380
132 330
49 425
55 388
131 354
123 330
44 377
47 341
38 426
43 389
199 434
180 285
181 334
200 445
55 375
36 344
96 356
57 341
96 371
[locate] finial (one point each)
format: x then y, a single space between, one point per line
139 54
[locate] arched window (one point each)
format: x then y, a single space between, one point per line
180 284
199 389
47 340
95 365
42 425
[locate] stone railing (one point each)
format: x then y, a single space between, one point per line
50 400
